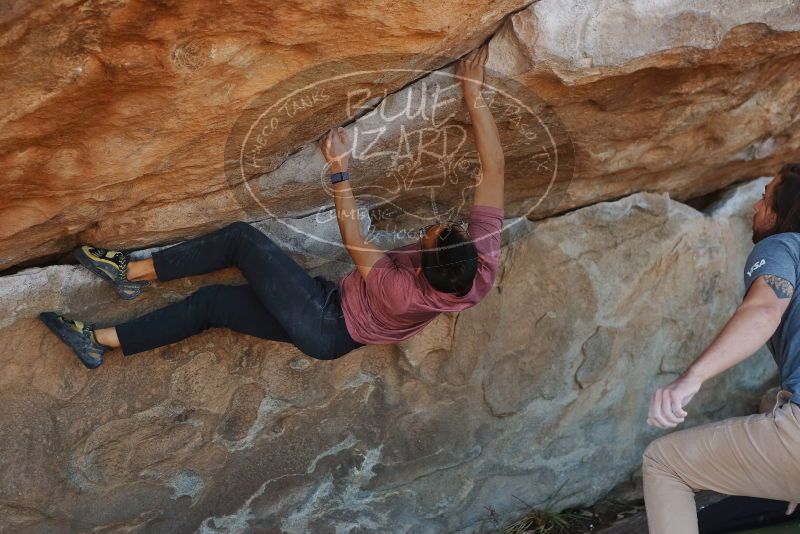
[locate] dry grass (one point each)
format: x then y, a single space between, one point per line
544 522
547 521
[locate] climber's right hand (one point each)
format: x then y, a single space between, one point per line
470 72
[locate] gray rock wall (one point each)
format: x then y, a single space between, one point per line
537 394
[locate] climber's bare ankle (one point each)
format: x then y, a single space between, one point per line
141 270
107 337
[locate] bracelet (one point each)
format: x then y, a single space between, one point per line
340 177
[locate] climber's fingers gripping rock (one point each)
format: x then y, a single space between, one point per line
470 71
336 147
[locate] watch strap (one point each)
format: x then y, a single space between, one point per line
340 177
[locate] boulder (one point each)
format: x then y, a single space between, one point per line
130 126
539 394
116 114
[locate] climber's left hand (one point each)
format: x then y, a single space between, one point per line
336 148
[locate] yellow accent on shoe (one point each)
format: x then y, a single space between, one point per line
99 258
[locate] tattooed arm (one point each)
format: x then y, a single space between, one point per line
781 288
746 331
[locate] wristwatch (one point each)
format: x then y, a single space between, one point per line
340 177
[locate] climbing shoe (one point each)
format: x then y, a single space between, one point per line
112 265
79 336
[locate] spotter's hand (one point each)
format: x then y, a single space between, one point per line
666 406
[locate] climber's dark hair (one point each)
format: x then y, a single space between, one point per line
451 264
786 199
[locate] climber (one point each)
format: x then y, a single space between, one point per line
386 298
755 455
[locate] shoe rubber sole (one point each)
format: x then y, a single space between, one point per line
71 338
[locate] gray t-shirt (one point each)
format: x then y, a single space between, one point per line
779 255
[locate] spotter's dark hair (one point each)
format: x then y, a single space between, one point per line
786 199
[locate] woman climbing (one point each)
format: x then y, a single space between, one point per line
388 297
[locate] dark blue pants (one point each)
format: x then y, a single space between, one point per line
280 302
735 513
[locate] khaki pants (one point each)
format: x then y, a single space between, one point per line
756 455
